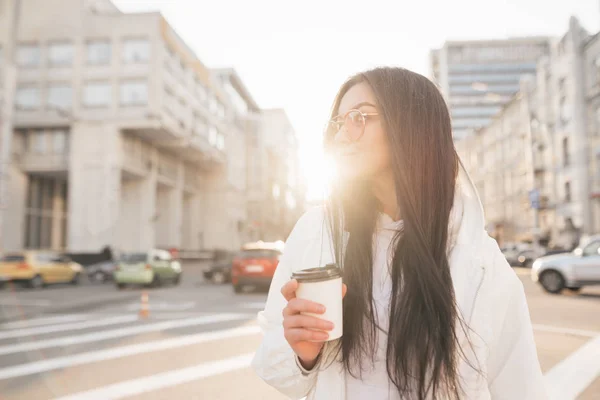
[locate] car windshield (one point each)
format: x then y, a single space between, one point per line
134 258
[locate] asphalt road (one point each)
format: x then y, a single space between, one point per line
88 342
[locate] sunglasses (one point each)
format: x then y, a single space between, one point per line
353 122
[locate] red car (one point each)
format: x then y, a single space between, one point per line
255 265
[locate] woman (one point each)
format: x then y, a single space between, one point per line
431 308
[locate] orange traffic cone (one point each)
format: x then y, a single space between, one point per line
144 309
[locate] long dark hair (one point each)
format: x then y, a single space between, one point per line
423 349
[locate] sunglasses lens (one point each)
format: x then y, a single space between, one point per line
355 123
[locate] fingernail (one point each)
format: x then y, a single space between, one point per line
322 309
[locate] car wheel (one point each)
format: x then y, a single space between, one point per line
37 282
120 286
218 277
76 279
155 281
552 282
238 288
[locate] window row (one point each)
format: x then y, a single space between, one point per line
94 94
97 52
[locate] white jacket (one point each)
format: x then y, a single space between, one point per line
489 295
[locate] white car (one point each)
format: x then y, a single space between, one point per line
570 270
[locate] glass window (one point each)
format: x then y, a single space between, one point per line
469 122
136 51
27 98
37 142
97 94
221 142
134 93
568 192
60 54
517 67
212 135
482 88
28 55
98 52
565 149
201 91
592 249
487 111
60 96
59 142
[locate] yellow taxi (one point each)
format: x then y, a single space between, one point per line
39 268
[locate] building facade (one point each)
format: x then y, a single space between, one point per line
276 192
478 77
538 180
123 137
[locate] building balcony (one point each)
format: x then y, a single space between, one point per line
35 163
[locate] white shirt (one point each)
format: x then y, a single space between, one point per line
375 382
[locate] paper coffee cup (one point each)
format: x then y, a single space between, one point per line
323 286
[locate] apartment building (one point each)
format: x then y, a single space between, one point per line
478 77
123 137
544 144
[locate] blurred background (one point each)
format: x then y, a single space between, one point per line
155 155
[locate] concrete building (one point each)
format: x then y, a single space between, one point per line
276 195
548 143
478 77
122 136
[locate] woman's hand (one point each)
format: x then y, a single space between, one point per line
305 334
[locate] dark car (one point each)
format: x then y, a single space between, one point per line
101 272
219 270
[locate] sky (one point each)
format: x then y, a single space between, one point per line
295 55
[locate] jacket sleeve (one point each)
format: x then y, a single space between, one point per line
513 367
275 361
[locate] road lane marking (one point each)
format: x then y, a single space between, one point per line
160 381
164 306
570 377
25 303
68 327
258 305
566 331
119 333
29 323
44 366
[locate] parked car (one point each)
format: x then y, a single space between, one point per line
39 268
512 252
255 265
569 270
102 271
219 270
152 268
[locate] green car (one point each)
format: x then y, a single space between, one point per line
149 269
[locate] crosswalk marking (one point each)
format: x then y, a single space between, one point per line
29 323
159 381
574 374
41 330
124 351
118 333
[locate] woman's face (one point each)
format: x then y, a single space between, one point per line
367 155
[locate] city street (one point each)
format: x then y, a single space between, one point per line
88 342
